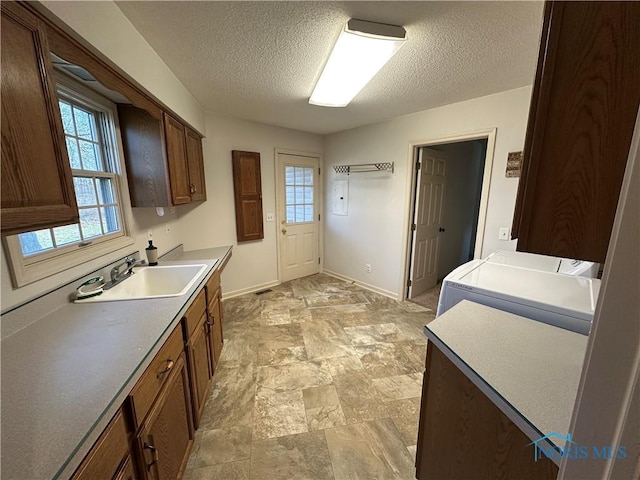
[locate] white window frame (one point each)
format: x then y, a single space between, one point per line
28 269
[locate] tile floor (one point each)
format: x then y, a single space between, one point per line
318 379
429 298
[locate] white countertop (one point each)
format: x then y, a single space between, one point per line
529 369
65 375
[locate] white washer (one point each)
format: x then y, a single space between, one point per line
562 300
544 263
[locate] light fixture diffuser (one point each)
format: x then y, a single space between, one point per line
361 51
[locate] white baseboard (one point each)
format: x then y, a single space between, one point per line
244 291
366 286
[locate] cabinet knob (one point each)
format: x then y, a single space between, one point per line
169 366
192 188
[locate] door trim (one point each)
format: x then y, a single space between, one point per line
279 207
490 135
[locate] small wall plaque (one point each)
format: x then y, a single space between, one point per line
514 164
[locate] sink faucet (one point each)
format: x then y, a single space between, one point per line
117 275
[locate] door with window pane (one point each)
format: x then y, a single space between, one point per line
297 216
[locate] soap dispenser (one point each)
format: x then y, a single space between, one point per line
152 254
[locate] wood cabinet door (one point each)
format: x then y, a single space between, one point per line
195 160
166 438
37 185
177 160
583 110
144 153
463 434
247 186
215 325
200 369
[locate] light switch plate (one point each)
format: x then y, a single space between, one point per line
269 217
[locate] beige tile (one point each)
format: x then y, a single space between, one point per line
278 414
359 398
383 359
325 339
227 471
275 317
300 314
342 365
281 356
332 299
224 445
231 400
328 416
320 396
303 456
293 376
280 336
398 387
369 450
406 416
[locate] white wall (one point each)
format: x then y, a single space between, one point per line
105 26
373 230
253 264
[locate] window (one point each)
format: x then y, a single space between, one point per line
299 194
89 123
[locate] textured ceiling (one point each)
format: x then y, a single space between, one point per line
260 60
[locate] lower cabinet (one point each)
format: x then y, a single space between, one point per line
151 436
463 434
165 439
109 457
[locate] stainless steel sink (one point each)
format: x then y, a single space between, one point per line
152 282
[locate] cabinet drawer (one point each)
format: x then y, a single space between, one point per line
146 390
106 455
194 314
213 284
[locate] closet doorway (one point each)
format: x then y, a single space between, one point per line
449 193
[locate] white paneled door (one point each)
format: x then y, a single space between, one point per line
298 215
427 221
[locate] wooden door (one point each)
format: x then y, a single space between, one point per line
247 187
199 362
37 185
583 108
177 160
195 161
166 437
215 325
298 216
427 220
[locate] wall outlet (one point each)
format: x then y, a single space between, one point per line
269 217
167 229
367 268
504 234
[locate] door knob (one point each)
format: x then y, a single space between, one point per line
441 229
283 222
284 231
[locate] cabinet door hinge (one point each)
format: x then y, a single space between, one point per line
318 217
417 165
409 283
413 227
318 170
318 260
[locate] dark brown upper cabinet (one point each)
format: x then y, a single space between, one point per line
583 110
247 187
37 185
165 165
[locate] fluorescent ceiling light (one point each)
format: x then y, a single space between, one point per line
361 51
